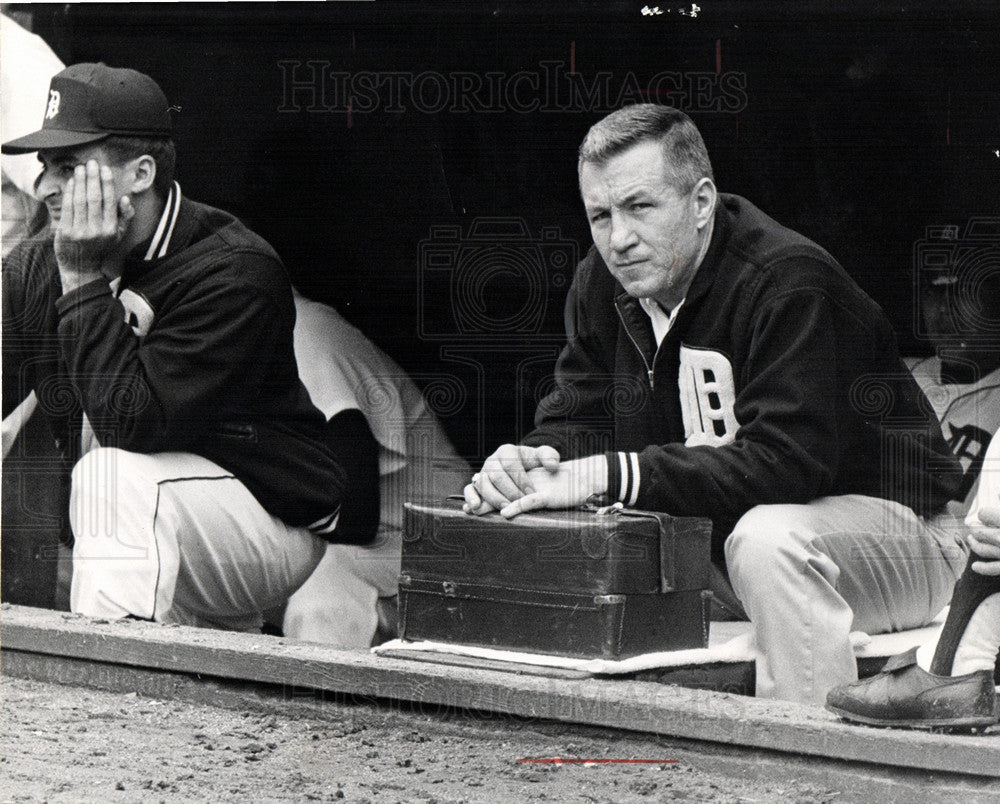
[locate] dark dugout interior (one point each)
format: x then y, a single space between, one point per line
414 164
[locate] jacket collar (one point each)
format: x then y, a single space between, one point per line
173 232
159 244
705 275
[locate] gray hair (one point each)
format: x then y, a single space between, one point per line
683 148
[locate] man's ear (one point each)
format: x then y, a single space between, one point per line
142 173
705 198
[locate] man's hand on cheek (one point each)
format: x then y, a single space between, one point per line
91 227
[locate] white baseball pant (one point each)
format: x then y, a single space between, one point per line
810 574
175 538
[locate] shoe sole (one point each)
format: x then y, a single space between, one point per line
980 722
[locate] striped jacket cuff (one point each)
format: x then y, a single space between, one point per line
326 525
623 476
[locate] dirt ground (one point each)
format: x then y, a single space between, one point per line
70 744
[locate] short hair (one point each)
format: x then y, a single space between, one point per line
122 148
683 148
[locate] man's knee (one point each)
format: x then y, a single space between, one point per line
763 537
86 468
92 492
774 549
105 472
106 494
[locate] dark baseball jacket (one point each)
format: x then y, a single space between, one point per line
190 351
779 382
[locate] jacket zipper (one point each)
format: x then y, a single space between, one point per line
635 343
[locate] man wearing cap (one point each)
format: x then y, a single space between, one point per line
960 313
157 334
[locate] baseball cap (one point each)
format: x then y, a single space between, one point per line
89 102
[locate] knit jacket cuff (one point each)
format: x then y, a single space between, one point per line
623 476
84 293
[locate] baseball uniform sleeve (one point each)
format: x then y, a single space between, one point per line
212 348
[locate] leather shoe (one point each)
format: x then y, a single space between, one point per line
905 695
